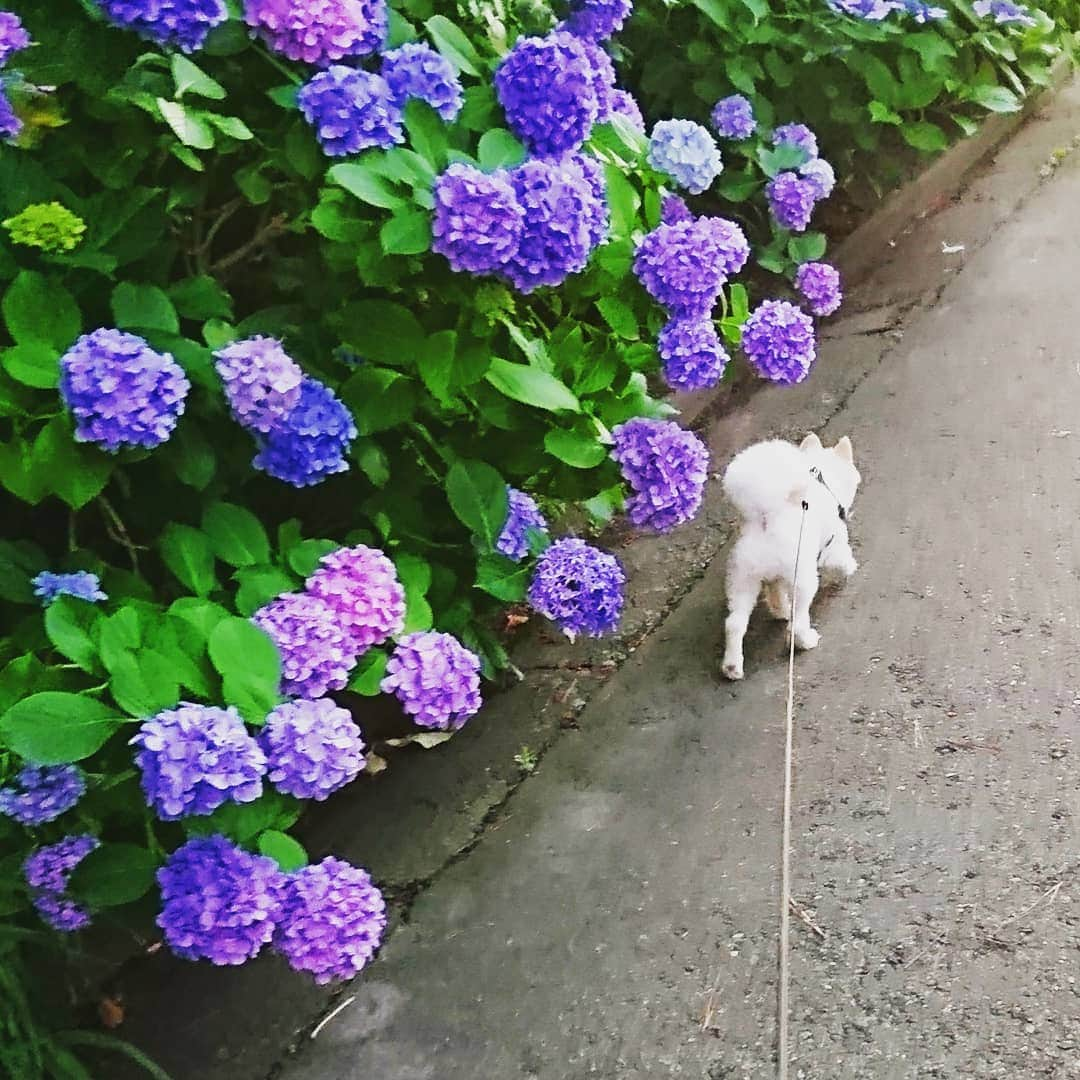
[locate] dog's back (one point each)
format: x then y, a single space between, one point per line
766 478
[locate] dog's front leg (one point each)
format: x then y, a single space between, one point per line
806 587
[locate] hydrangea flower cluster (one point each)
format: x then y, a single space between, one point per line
685 151
319 31
416 70
791 200
578 587
868 10
819 174
13 36
597 19
673 209
81 584
351 110
312 748
50 227
666 466
120 391
923 13
262 382
10 124
219 902
42 793
820 285
360 585
436 679
522 515
733 117
778 339
798 135
47 871
547 89
195 758
691 353
316 650
180 23
332 920
1003 12
602 73
478 220
623 103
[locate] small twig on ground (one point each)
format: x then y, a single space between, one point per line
330 1016
952 746
804 917
118 533
267 232
1049 896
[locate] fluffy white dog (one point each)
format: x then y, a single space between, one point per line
770 484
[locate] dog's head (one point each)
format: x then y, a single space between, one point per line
837 465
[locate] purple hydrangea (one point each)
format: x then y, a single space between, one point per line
820 284
798 135
602 71
691 353
310 443
778 339
564 220
685 151
869 10
312 748
332 920
10 124
922 12
478 220
195 758
547 89
1003 12
597 218
733 117
262 382
673 209
120 391
316 650
81 584
42 793
436 679
360 585
13 37
522 516
351 110
180 23
48 871
666 466
725 243
791 200
416 70
579 587
819 174
319 31
218 902
597 19
623 103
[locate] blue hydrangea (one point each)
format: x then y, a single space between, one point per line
597 19
121 392
261 381
13 37
791 200
597 216
578 587
81 584
522 517
319 31
310 443
312 748
796 135
666 466
47 871
416 70
332 920
180 23
547 89
218 902
779 342
869 10
820 285
436 679
10 124
685 151
691 354
819 174
623 103
195 758
1004 12
733 117
478 220
42 793
922 12
351 110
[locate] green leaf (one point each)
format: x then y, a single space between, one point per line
304 557
242 822
249 665
580 450
235 534
531 386
502 578
33 363
623 201
113 874
418 614
143 307
119 633
55 728
379 399
284 96
619 316
189 128
995 98
288 853
192 456
381 330
369 673
452 42
201 298
360 180
69 624
143 683
408 232
780 159
203 615
74 471
20 561
192 79
736 186
259 585
232 126
499 149
807 248
253 185
38 309
882 114
924 136
190 556
477 495
427 132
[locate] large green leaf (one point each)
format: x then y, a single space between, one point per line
288 853
359 179
576 448
503 579
477 495
453 43
381 330
113 874
143 683
143 307
70 624
189 554
54 728
249 665
36 308
235 534
531 386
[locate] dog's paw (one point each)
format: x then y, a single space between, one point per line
732 669
808 639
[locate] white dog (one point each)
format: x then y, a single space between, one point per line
770 484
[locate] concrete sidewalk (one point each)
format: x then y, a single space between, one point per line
618 918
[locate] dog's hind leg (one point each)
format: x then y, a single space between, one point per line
778 600
742 594
806 587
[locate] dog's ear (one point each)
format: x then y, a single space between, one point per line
811 442
844 451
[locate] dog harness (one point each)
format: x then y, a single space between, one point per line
816 473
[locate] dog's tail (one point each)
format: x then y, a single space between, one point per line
767 478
